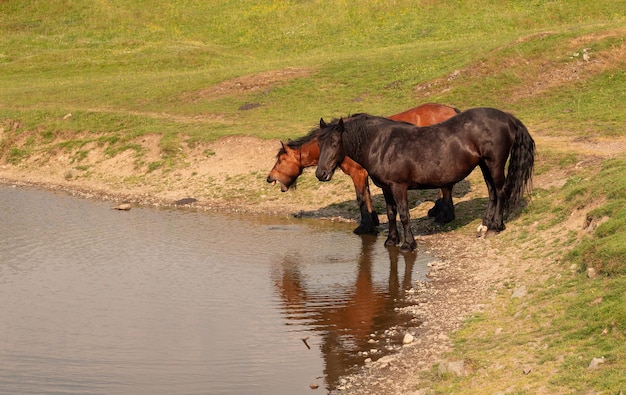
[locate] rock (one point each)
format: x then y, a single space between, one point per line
596 362
122 207
249 106
591 273
519 292
456 368
408 339
527 369
185 201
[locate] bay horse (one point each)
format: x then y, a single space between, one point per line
400 156
296 155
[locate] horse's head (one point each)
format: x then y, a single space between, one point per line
287 168
331 150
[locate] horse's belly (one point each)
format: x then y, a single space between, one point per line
424 177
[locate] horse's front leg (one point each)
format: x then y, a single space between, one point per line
401 198
392 238
369 217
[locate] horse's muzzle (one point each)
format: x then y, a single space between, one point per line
284 187
324 174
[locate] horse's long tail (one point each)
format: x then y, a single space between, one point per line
521 163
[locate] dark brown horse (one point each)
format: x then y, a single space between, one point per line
304 152
400 156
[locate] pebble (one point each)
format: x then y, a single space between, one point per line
519 292
596 362
408 339
591 273
452 367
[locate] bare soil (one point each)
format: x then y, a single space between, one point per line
465 279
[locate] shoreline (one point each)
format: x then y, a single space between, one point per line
457 287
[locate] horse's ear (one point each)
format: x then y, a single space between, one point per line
340 125
322 123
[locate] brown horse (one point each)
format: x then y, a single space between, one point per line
304 152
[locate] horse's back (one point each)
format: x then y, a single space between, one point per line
426 114
432 153
480 122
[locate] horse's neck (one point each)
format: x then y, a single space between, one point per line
309 154
356 146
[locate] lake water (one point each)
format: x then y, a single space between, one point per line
153 301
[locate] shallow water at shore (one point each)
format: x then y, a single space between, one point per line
152 301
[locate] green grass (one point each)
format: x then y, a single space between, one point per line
111 59
557 331
605 250
128 69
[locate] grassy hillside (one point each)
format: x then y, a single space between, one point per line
75 73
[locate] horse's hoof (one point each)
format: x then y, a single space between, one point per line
363 230
408 247
436 209
390 243
443 219
481 231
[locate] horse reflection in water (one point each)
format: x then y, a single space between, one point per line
346 319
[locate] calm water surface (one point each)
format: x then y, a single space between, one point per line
99 301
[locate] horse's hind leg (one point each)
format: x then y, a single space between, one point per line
432 213
488 217
446 207
494 178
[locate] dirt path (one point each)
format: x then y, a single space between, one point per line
467 277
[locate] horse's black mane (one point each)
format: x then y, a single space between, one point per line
313 134
358 133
